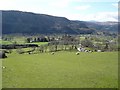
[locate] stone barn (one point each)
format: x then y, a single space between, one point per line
2 55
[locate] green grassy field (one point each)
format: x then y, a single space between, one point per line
39 43
19 41
61 70
5 42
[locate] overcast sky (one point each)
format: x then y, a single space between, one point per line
86 10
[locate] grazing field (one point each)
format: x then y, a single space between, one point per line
5 42
39 43
61 70
21 42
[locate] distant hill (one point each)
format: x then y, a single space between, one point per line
104 26
31 23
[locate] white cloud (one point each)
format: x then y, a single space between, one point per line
100 0
104 16
59 3
115 5
101 16
63 8
62 3
95 0
84 7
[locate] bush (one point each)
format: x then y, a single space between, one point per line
87 43
20 51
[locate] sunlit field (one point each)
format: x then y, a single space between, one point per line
61 70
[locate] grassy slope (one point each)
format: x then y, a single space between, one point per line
39 43
64 69
5 42
21 42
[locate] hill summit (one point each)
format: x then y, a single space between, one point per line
31 23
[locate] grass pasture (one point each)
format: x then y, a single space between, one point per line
5 42
39 43
61 70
